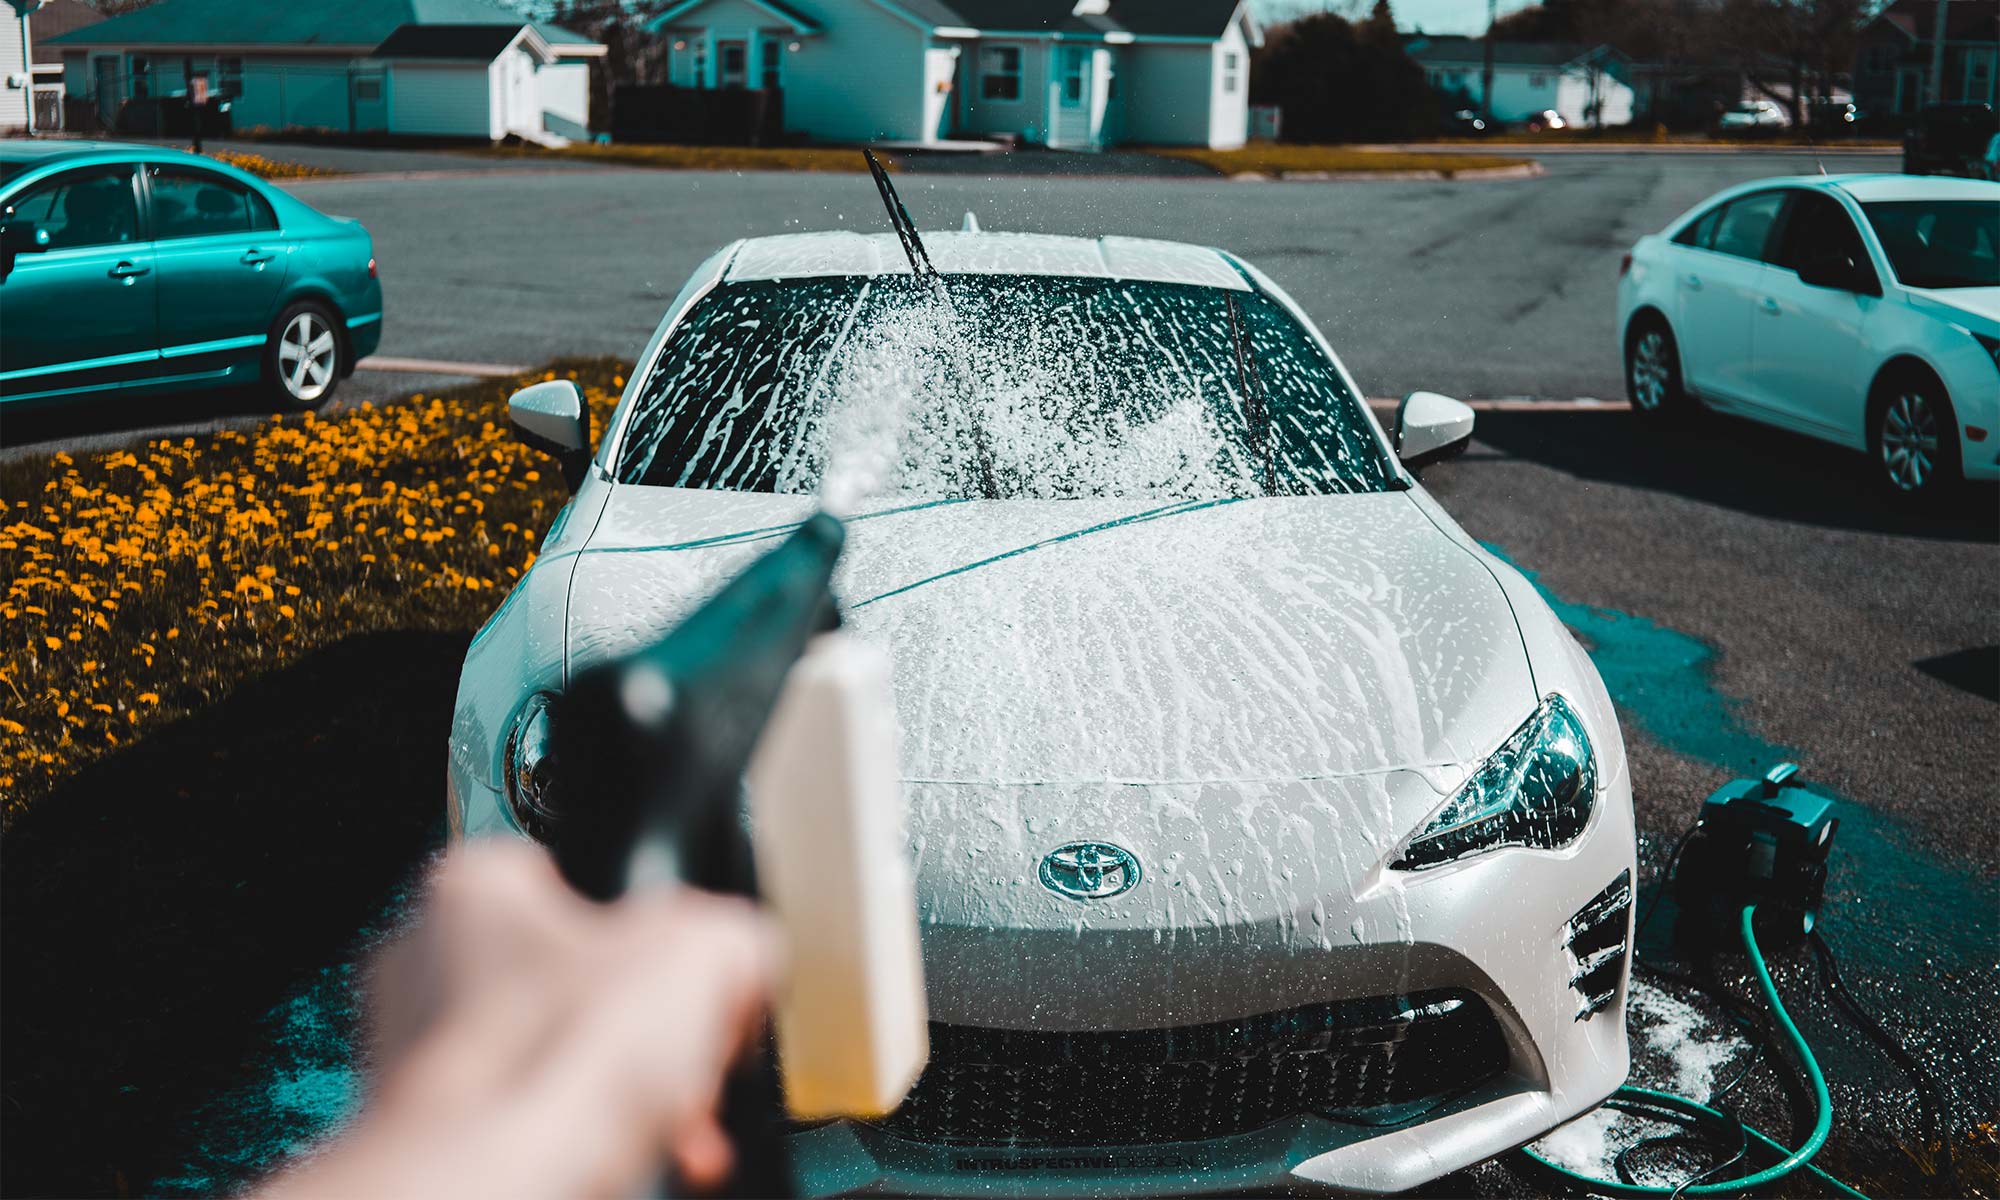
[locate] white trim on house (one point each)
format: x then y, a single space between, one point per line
797 22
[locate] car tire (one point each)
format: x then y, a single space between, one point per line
305 356
1913 446
1653 372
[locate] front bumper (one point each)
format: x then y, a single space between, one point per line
1498 926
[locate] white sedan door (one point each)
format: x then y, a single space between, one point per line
1805 343
1719 278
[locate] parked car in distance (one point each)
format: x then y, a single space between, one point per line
128 268
1754 114
1860 309
1952 139
1548 118
1197 685
1468 122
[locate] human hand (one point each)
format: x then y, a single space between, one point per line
529 1042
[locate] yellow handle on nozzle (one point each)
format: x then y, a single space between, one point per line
828 826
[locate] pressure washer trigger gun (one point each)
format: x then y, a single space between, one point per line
651 752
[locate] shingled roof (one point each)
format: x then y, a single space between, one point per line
348 24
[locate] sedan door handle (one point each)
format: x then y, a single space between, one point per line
1770 306
128 270
255 258
1691 282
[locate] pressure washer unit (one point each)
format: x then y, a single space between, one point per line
1757 841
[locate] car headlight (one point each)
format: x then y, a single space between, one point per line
1536 790
528 771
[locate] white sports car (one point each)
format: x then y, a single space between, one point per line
1267 830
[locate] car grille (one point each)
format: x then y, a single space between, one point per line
1596 940
995 1087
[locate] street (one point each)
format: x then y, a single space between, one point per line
1746 597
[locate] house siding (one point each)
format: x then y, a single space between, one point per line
981 117
14 101
566 98
862 79
1229 111
441 99
1166 91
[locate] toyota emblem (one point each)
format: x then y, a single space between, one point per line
1090 870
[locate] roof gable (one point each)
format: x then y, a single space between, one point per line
298 23
1202 19
476 43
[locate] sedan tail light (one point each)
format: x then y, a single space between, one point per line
371 265
1624 264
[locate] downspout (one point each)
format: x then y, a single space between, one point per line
28 64
1934 90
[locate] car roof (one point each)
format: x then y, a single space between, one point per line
806 255
1868 188
40 153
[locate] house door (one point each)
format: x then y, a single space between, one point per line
940 78
732 64
370 100
1071 108
107 91
522 110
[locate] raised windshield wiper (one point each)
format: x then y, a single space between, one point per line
924 272
1256 409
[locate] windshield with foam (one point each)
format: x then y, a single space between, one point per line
1051 387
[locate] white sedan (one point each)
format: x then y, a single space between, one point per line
1267 829
1861 309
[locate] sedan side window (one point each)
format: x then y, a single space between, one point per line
193 203
1816 224
1700 231
89 207
1746 225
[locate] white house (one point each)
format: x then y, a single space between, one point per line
1587 85
437 68
17 69
1070 74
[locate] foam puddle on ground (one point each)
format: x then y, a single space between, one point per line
1675 1048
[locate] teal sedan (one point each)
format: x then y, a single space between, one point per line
140 269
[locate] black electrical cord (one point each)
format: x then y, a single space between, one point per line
1930 1103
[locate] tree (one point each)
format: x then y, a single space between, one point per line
1338 80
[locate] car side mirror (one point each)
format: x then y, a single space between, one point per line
550 416
1834 269
1430 427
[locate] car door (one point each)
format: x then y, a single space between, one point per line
1806 340
77 304
1718 279
222 264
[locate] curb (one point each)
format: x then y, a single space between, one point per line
1526 170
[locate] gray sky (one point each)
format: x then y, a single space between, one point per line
1432 16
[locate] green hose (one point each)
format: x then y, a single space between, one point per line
1793 1160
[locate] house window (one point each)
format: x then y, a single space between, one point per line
229 73
141 71
770 54
700 63
1978 83
368 88
1232 65
1880 60
1000 73
1538 81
